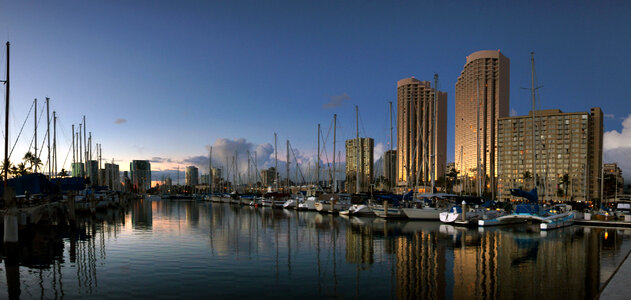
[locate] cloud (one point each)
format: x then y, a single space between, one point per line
157 159
336 101
120 121
609 116
379 150
513 112
617 147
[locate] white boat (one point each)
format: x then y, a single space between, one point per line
389 213
290 204
454 215
558 216
309 204
423 213
358 210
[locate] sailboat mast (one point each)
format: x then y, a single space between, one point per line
434 173
318 161
357 150
477 140
50 165
85 146
210 169
6 127
334 137
55 143
534 149
390 173
275 161
287 165
35 126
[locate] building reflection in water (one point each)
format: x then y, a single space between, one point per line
329 256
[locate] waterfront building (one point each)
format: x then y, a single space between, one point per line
415 142
78 170
568 154
268 177
92 171
364 147
140 175
191 176
482 97
390 168
613 182
112 177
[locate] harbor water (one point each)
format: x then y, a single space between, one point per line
190 249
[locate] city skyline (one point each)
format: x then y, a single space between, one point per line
190 74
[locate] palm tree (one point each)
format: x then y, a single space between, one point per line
13 170
10 166
527 176
565 179
21 169
63 173
32 160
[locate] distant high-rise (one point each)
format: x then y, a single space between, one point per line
191 176
415 142
92 171
268 177
366 159
112 177
390 168
482 97
140 175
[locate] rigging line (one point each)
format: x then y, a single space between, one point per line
361 121
18 138
296 160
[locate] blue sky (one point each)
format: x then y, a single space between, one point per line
180 75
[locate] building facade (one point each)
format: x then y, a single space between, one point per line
613 181
191 176
140 175
364 148
417 139
112 177
568 154
78 170
92 171
482 97
390 168
268 177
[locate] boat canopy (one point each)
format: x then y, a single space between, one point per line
35 183
531 196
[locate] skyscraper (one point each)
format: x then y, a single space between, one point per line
482 97
417 139
140 175
191 176
366 159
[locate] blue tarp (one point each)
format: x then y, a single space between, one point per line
531 196
33 183
69 184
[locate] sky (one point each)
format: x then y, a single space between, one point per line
164 80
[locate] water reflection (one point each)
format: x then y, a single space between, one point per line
188 248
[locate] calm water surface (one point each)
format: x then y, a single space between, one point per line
187 249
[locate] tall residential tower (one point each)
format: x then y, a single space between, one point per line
417 139
482 93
